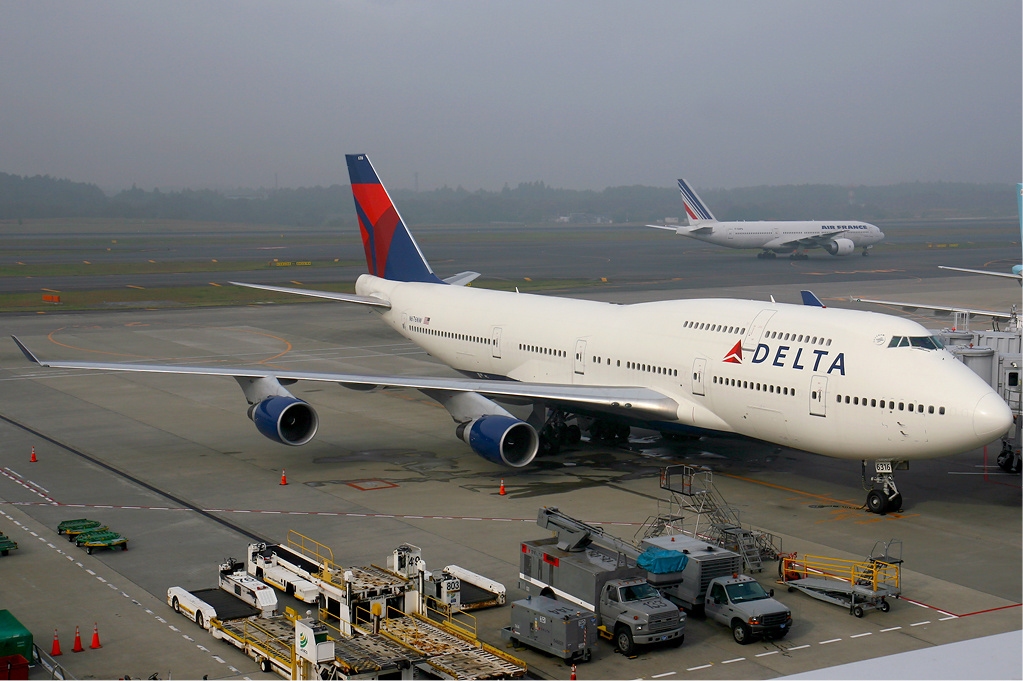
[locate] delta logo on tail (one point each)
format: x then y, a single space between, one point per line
734 355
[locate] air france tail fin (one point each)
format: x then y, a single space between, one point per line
391 251
695 208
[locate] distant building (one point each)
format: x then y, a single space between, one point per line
586 218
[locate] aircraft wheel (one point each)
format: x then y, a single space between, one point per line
573 434
895 504
876 502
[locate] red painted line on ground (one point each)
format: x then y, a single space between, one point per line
968 614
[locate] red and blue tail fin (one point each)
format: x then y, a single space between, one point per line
391 252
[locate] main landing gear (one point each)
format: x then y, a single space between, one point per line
887 499
555 432
799 255
1009 458
770 255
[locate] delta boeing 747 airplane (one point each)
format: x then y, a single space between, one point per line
837 237
840 383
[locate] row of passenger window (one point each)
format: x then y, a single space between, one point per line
451 334
797 337
751 385
540 350
887 404
704 326
651 368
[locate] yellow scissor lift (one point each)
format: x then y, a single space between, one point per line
858 585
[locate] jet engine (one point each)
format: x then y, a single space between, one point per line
840 246
503 440
287 420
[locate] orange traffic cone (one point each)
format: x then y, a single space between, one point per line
573 673
95 637
501 491
77 647
55 650
284 478
33 458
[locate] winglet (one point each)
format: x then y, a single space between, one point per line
28 353
810 299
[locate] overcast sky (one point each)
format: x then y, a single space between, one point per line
577 93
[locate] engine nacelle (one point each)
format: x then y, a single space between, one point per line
840 246
500 439
287 420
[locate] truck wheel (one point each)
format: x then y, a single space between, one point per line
741 632
858 610
623 639
175 604
587 655
885 606
198 619
675 643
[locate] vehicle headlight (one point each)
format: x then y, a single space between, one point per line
755 619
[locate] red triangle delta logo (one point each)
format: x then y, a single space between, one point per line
734 355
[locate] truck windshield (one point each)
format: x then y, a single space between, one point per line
638 592
746 591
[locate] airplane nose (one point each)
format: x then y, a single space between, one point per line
991 417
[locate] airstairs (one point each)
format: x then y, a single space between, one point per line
696 508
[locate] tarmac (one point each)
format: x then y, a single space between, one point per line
173 463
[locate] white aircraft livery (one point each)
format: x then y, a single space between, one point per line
841 383
837 237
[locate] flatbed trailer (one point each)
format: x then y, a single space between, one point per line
77 526
858 586
102 540
448 653
7 544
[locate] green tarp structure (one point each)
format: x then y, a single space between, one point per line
15 639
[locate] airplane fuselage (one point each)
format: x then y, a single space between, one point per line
782 235
819 379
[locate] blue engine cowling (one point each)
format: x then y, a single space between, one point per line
840 246
501 439
287 420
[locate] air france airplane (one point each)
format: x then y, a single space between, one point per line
840 383
837 237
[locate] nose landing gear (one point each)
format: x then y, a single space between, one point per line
887 499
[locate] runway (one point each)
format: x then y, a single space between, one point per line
173 463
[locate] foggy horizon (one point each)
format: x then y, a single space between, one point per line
578 95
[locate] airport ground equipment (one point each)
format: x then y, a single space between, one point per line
742 605
698 509
102 539
204 605
585 566
556 627
6 544
15 638
235 580
263 563
73 528
857 585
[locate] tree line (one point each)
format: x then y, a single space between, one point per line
530 202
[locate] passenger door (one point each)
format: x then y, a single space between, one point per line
717 606
818 392
580 357
699 369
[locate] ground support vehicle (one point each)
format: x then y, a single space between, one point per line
742 605
263 563
589 568
704 562
858 586
7 544
73 528
556 627
204 605
101 539
234 580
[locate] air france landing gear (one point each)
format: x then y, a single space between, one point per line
887 499
767 254
799 255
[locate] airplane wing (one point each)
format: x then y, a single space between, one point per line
461 279
635 401
329 295
1007 275
686 230
938 310
817 241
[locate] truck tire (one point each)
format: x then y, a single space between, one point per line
885 606
175 604
857 610
623 639
676 642
587 655
741 632
198 619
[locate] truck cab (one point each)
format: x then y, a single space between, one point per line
740 603
635 613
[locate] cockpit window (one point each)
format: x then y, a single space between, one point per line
924 342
